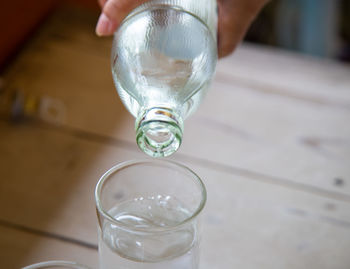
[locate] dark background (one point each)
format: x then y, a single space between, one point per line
316 27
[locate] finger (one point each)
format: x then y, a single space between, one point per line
101 3
235 18
113 13
230 31
105 26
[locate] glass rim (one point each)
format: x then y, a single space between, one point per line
125 164
56 263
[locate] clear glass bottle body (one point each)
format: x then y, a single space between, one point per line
163 59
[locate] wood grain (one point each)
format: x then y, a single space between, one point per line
271 142
241 219
20 248
285 119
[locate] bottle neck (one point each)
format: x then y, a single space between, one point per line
159 131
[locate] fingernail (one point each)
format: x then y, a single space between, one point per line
104 26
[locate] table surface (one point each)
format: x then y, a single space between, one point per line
271 142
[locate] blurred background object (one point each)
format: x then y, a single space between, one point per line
16 23
19 19
317 27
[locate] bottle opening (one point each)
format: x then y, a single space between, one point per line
159 132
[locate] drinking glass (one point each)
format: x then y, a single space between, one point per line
148 216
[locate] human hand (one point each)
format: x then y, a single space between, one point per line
235 17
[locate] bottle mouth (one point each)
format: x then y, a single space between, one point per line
159 132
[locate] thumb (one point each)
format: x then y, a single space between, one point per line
113 13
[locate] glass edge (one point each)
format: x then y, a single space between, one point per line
57 263
140 161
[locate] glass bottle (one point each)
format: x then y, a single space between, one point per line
163 59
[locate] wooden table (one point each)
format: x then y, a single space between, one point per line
271 142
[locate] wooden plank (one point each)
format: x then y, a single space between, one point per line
271 147
295 125
285 119
251 226
20 248
50 173
47 185
45 172
287 73
15 13
289 140
72 65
